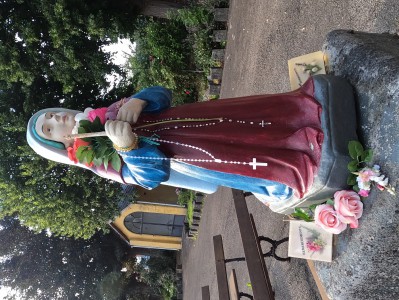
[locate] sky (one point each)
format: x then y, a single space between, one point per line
120 52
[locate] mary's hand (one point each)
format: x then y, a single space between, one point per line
121 134
130 111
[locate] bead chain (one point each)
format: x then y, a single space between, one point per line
263 123
214 159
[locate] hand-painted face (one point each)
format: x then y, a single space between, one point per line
56 126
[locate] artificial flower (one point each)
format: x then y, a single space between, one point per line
349 207
363 193
72 150
326 217
81 116
99 112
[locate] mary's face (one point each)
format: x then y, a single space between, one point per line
56 126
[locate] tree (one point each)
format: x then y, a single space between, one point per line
50 55
46 267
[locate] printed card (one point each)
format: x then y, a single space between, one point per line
302 67
309 241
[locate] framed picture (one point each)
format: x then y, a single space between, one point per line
302 67
309 241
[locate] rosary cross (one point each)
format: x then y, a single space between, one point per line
254 164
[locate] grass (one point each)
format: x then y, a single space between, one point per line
186 198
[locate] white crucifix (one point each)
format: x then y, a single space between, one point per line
265 123
254 164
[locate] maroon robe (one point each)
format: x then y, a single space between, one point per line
290 144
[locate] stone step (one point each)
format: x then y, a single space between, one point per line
219 36
221 14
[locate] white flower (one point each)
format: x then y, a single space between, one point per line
79 117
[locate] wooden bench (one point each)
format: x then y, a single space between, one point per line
254 257
205 293
228 288
260 281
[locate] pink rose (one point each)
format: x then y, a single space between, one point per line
349 207
326 217
99 112
363 193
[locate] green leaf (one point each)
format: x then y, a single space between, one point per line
97 161
116 162
351 179
109 151
300 213
89 156
79 152
96 125
84 123
359 149
353 166
356 188
106 159
330 202
352 149
313 207
367 155
81 130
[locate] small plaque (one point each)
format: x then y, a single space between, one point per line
309 241
302 67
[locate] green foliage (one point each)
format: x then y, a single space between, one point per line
50 53
199 22
186 198
45 195
100 151
159 273
162 57
68 201
174 53
194 17
302 214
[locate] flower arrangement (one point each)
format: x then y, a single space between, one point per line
94 150
346 207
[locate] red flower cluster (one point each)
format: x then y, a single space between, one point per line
72 150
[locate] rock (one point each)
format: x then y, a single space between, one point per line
369 254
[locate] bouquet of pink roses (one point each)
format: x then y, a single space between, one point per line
347 207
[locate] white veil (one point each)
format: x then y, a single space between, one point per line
60 155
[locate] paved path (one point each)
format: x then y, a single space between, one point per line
290 280
262 36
